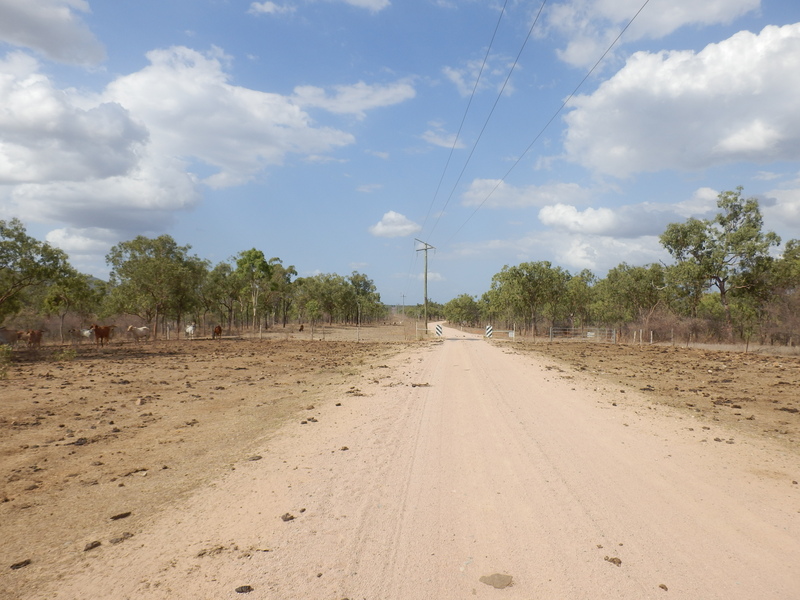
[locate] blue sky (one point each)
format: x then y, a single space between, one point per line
323 132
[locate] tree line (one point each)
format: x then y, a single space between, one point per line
163 284
724 285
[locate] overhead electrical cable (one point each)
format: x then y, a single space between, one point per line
550 121
466 111
461 125
489 116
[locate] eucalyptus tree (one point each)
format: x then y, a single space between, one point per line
630 294
366 296
255 273
462 310
25 263
530 291
75 292
577 302
144 277
725 251
221 292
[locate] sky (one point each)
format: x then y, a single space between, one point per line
335 134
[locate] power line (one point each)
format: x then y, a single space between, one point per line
466 111
489 116
552 118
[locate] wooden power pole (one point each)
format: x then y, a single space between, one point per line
425 247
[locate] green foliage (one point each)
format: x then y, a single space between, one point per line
25 263
152 277
727 252
463 310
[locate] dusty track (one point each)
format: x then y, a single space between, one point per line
455 461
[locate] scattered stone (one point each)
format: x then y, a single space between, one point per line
122 538
338 404
614 560
497 580
22 563
244 589
92 546
312 420
303 422
124 515
420 385
343 448
255 457
663 587
287 517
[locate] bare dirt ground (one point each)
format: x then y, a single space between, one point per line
387 468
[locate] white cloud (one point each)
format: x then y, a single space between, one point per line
369 188
270 8
733 101
590 26
394 225
783 215
492 77
353 99
52 28
439 137
146 199
191 110
494 193
371 5
47 136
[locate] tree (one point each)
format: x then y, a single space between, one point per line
146 277
630 293
25 263
75 291
462 310
255 272
724 250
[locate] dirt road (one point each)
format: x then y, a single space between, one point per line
453 465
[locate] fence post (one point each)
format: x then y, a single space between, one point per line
551 334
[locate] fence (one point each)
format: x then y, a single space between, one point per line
595 334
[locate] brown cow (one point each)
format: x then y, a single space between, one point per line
217 333
34 337
102 333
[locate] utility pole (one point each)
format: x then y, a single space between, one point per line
425 247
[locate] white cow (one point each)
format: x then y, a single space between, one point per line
78 335
190 330
139 333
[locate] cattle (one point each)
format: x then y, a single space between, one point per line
8 337
301 329
190 329
217 333
78 335
34 337
102 333
139 333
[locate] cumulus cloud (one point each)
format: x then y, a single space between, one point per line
144 200
630 221
664 110
52 28
394 225
495 193
47 136
590 26
191 110
353 99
